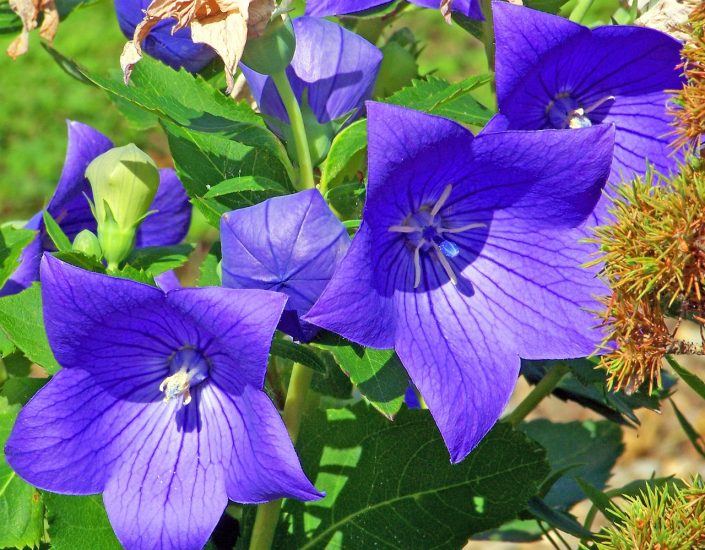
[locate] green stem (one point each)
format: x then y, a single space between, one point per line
3 372
547 384
488 33
268 513
298 130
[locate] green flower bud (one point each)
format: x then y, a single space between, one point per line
273 51
87 243
124 181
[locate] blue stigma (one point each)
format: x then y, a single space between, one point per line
449 249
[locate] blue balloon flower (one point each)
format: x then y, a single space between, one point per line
290 244
159 405
553 73
468 258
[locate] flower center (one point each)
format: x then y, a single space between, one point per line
188 368
566 112
426 232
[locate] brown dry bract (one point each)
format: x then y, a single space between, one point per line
446 6
224 25
28 11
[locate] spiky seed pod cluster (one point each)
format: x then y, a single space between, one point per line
653 258
666 517
689 102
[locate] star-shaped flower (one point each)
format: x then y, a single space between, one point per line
176 49
323 8
290 244
468 259
553 73
159 405
70 208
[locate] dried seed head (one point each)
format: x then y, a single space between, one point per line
653 258
689 102
668 516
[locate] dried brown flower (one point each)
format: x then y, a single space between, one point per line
29 11
224 25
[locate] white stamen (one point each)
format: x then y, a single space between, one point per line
446 264
597 104
403 229
442 200
175 385
417 264
461 229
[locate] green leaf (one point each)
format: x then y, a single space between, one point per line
19 391
10 23
688 377
21 509
299 353
587 449
79 523
156 260
57 235
182 99
558 519
245 184
79 259
378 374
21 320
12 242
345 149
601 501
390 485
209 272
695 438
205 160
439 97
549 6
587 385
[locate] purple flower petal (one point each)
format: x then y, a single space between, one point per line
548 67
226 316
290 244
464 373
28 269
169 223
176 50
334 67
263 465
323 8
355 303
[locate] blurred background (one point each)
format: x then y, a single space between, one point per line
36 97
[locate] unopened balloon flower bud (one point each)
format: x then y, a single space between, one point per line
124 181
87 243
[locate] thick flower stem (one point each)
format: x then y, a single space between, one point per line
268 513
547 384
298 130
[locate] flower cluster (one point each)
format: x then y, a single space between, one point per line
472 252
